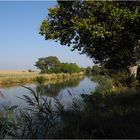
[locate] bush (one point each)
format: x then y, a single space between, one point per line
88 70
40 80
69 68
105 85
96 69
30 70
124 78
104 114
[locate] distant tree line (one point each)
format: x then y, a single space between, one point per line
52 64
97 70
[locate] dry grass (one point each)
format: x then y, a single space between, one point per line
13 72
11 77
16 77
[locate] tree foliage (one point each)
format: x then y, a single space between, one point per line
88 70
69 68
96 70
107 31
47 63
52 64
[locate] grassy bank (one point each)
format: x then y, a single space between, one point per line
109 112
20 77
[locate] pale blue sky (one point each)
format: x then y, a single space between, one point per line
20 43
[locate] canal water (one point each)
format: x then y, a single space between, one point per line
62 90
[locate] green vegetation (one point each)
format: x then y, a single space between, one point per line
88 70
52 64
69 68
48 64
96 70
107 113
53 89
107 31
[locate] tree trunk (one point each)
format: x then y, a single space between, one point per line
133 70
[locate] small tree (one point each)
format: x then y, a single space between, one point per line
47 64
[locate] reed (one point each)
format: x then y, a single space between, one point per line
97 116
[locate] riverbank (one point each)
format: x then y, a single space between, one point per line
20 77
108 112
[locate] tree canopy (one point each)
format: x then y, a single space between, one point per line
52 64
47 63
69 68
107 31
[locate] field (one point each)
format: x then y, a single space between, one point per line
19 77
10 77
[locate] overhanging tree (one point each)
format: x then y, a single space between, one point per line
107 31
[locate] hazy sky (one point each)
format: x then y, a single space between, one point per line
20 43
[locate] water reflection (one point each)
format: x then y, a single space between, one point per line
59 89
53 89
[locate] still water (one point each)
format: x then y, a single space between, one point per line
62 90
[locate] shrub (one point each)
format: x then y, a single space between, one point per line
124 78
40 80
96 69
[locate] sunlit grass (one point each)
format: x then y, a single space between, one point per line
15 77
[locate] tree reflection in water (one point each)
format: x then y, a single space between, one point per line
54 88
